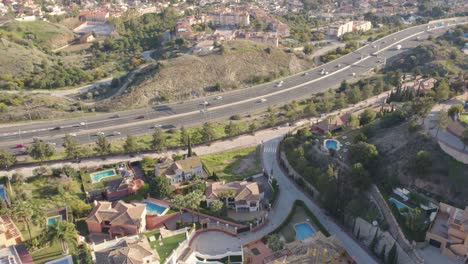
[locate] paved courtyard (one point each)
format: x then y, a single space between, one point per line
215 243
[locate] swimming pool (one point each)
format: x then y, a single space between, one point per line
154 208
2 192
331 144
98 176
303 230
53 219
398 204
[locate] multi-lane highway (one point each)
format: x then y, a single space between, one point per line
191 112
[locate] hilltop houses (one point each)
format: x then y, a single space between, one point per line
179 171
132 249
241 196
117 218
9 233
449 231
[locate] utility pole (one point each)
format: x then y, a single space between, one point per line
85 121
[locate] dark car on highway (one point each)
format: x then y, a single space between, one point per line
140 117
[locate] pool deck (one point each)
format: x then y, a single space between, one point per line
100 179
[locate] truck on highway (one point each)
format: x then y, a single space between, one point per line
398 47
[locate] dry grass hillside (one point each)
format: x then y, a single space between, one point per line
40 106
17 59
238 64
22 45
40 33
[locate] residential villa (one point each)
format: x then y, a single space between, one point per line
120 188
15 255
316 249
9 233
449 231
94 16
242 196
117 218
87 37
179 171
338 29
330 124
132 249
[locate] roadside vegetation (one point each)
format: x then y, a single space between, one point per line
401 156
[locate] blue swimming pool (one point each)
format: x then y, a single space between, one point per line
152 207
398 204
332 144
303 230
53 219
2 192
98 176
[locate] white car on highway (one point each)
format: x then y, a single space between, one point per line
82 123
100 133
219 97
72 134
116 133
262 100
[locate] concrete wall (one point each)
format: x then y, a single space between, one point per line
366 234
394 227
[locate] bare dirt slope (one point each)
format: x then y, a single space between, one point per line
241 64
445 178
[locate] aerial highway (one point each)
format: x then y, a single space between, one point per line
195 111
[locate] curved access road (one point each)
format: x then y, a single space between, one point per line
191 112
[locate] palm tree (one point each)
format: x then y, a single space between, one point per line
22 211
193 201
179 202
64 232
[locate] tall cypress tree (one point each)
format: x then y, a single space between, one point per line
189 143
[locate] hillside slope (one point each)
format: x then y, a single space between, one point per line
16 59
238 64
39 33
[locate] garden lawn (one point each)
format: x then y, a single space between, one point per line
235 164
54 251
464 118
42 193
169 244
89 186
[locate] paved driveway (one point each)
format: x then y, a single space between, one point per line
288 194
